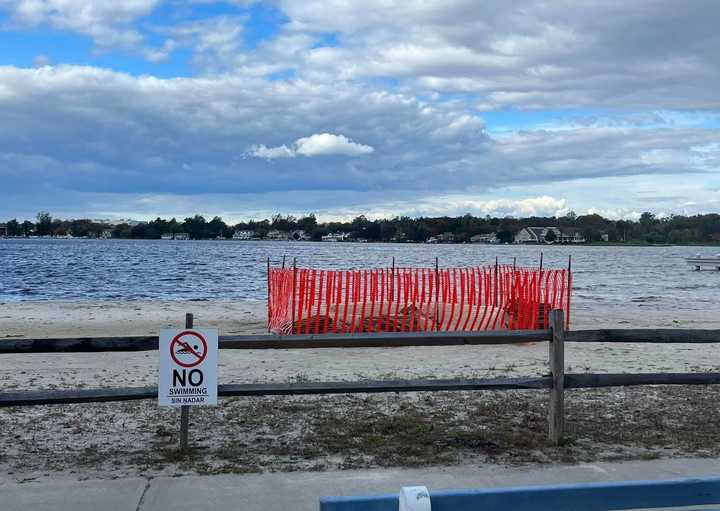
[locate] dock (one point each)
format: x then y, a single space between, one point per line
704 263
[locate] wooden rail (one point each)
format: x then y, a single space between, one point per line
380 340
649 335
572 381
46 397
274 342
557 381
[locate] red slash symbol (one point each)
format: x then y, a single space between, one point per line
185 349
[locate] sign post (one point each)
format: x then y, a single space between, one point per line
188 371
185 409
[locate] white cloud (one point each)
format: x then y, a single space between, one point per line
107 22
161 53
261 151
522 54
460 204
525 54
215 42
320 144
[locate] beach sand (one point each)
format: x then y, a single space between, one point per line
291 433
63 319
47 319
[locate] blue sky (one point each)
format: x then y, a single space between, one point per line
241 108
21 44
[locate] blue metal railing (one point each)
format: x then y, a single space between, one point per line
573 497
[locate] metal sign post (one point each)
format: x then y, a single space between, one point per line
188 371
185 409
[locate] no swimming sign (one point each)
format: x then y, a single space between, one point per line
188 367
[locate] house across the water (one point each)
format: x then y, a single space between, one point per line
446 237
484 238
549 235
335 236
175 236
244 235
276 235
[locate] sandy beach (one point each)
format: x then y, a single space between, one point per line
63 319
113 439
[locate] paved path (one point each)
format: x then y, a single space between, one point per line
300 491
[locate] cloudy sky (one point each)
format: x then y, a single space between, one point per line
142 108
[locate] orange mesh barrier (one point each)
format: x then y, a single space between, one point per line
502 297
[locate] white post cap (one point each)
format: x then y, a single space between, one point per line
414 498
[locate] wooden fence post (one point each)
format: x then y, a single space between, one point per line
185 409
437 295
269 297
556 417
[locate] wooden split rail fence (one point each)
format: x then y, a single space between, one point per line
556 382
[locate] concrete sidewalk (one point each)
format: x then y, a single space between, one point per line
300 491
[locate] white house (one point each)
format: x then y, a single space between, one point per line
535 234
335 236
484 238
244 235
571 236
276 235
540 235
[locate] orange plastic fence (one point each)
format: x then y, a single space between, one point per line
312 301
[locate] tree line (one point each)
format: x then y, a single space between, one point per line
676 229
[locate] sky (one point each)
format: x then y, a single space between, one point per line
146 108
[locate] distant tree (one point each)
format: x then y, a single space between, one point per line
280 223
27 227
43 226
85 227
373 231
195 227
173 226
141 230
570 217
216 227
388 230
359 226
13 227
647 220
550 237
681 236
260 227
122 231
308 223
228 232
60 227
